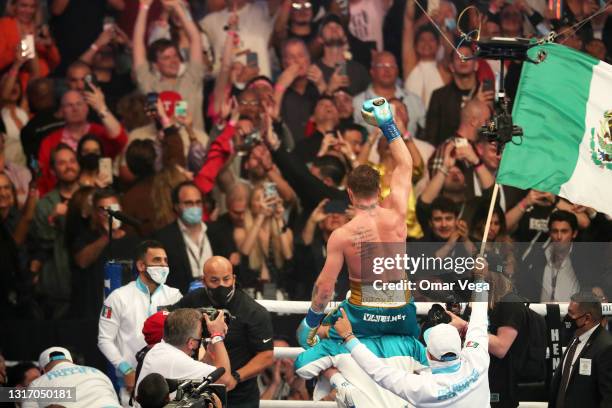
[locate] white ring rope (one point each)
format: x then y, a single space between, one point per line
301 307
329 404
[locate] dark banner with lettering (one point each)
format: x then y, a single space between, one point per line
553 324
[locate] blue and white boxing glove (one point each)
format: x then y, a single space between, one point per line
377 112
311 322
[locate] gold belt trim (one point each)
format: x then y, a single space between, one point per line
356 295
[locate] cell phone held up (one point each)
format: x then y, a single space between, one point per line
488 85
105 170
151 103
252 59
270 190
89 81
26 47
180 109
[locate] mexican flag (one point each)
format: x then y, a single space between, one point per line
564 105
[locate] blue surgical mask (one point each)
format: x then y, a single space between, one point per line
192 215
158 274
450 23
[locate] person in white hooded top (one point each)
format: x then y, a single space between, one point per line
90 387
458 377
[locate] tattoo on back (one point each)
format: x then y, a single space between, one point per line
362 240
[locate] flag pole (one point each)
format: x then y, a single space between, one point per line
489 217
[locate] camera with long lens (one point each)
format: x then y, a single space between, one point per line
198 394
437 315
214 313
500 128
250 140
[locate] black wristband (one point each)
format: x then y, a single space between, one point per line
236 376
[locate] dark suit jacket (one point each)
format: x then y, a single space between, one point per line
593 390
530 275
180 271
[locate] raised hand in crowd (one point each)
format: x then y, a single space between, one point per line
337 81
485 96
287 77
327 144
43 37
317 215
467 153
315 75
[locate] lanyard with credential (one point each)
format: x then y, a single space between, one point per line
198 259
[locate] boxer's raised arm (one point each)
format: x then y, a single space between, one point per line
377 112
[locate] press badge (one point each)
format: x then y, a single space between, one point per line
538 224
585 366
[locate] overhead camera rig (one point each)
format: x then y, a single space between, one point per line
500 128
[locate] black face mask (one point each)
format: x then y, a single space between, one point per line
221 295
570 324
89 161
194 352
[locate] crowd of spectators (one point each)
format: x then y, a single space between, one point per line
228 128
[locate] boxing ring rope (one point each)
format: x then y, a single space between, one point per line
301 307
330 404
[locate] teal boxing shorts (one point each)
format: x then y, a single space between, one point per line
368 321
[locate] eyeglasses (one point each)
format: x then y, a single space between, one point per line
385 65
299 6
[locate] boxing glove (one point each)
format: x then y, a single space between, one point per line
377 112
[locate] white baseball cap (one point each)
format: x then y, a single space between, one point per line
59 353
443 342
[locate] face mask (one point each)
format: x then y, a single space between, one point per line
89 161
194 352
192 215
450 23
221 295
570 324
158 274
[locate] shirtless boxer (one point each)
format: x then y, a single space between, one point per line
376 230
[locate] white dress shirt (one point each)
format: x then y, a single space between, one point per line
170 362
197 252
563 278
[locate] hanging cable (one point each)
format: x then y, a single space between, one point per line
437 27
580 24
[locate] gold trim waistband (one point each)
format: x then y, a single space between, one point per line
357 294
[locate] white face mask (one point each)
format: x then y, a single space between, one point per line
159 274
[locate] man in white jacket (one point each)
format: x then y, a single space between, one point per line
458 377
73 386
126 309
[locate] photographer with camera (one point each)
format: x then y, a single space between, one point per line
154 392
249 339
172 358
